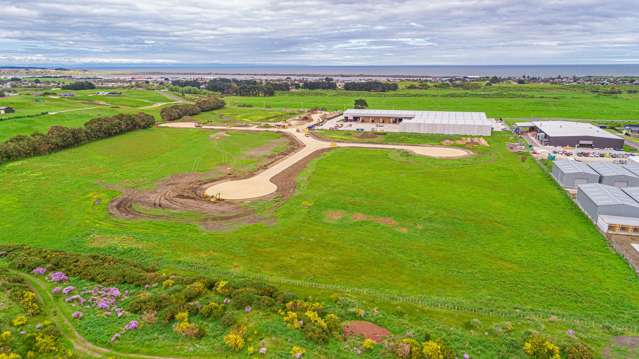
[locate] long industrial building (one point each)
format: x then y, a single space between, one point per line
573 134
449 123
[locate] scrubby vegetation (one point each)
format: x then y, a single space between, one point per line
60 137
25 331
236 316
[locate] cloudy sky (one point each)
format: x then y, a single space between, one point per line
313 32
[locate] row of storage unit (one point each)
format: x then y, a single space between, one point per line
571 174
613 209
607 193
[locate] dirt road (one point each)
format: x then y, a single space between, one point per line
261 184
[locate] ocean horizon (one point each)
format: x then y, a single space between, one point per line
377 70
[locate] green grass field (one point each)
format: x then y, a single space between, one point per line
70 111
230 116
490 235
505 101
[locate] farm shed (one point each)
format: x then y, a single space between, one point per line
576 134
449 123
571 173
614 175
597 199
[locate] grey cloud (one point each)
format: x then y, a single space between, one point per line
320 32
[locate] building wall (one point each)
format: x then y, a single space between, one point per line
374 119
446 129
587 205
572 180
597 142
630 181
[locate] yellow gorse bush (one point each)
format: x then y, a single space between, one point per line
292 320
221 287
28 302
432 350
234 342
20 320
368 344
540 347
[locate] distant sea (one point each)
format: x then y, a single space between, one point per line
397 71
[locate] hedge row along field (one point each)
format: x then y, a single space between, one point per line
176 112
123 306
60 137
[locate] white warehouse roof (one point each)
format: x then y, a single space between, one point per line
437 117
572 166
603 195
571 129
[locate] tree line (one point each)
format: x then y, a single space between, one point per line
176 112
60 137
371 86
79 85
236 87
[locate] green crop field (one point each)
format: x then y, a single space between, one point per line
489 237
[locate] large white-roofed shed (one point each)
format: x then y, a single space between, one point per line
441 122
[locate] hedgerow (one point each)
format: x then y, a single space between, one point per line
176 112
59 137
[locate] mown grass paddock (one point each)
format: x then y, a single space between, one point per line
489 237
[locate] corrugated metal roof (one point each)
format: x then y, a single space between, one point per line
610 169
603 195
572 129
632 167
438 117
572 166
633 192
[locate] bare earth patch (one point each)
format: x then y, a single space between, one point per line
365 329
185 194
626 343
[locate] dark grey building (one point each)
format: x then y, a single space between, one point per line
571 173
614 175
575 134
597 199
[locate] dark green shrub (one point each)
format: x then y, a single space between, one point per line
578 351
228 319
243 297
212 310
316 334
263 302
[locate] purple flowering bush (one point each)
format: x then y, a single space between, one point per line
39 270
58 277
132 325
68 290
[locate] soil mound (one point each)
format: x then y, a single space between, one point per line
365 329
